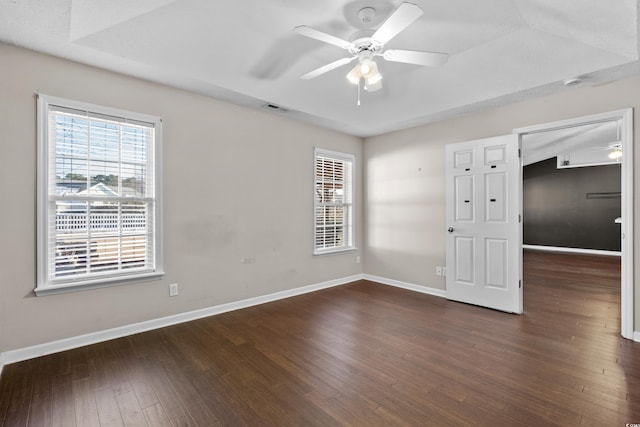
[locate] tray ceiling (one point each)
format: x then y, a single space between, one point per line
246 52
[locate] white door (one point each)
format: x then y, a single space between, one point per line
483 241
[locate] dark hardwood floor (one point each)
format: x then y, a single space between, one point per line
362 354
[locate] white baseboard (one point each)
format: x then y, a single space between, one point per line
26 353
572 250
409 286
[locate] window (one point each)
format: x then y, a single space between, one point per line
333 205
98 196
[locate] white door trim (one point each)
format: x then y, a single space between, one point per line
626 117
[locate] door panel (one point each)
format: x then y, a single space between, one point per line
464 198
496 194
496 264
484 231
495 155
463 159
464 252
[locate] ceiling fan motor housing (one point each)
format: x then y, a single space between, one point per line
364 44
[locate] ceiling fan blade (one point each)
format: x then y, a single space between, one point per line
326 68
400 19
323 37
431 59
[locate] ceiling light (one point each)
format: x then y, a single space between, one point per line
616 147
615 154
354 75
373 75
372 87
367 69
373 81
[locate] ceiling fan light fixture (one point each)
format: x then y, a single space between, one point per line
373 72
373 86
616 147
355 75
373 76
367 69
366 44
616 153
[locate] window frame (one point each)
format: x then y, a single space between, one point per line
44 284
349 233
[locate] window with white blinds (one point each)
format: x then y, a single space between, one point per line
98 195
333 202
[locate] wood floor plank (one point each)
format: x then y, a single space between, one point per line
41 411
63 401
86 411
130 411
170 402
143 390
156 416
20 391
108 409
358 354
196 406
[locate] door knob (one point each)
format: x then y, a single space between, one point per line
450 229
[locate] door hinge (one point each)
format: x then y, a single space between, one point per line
519 217
520 284
519 152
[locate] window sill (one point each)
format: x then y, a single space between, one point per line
335 251
96 283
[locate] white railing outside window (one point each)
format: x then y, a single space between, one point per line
104 222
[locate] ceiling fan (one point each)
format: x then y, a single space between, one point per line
366 48
614 147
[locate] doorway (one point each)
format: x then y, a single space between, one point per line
625 136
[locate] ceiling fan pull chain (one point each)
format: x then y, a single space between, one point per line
359 92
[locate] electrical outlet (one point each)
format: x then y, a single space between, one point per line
173 289
358 259
444 271
438 271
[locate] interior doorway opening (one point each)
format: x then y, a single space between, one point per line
564 133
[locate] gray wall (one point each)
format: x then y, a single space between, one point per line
213 157
237 184
405 188
557 212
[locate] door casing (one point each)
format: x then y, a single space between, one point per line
626 118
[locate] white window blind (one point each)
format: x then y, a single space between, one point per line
333 206
98 195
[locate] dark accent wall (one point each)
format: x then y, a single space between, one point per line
573 207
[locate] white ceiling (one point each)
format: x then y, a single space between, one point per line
582 139
246 52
